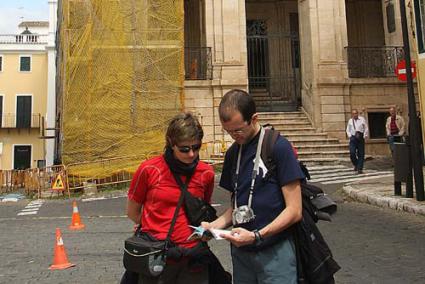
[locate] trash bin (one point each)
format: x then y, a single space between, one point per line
401 162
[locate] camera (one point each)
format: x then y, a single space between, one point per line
242 214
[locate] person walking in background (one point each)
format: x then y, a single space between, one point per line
357 132
395 128
154 193
263 210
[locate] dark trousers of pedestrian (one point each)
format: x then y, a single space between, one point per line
357 152
394 139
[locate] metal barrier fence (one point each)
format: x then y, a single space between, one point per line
31 181
76 177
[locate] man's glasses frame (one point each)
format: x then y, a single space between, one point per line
240 130
186 149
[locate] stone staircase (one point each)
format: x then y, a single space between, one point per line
313 147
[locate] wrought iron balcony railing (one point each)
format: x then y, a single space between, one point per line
198 63
20 121
373 62
23 39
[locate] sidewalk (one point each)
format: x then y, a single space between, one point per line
380 191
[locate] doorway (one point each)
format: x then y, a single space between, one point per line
273 55
21 157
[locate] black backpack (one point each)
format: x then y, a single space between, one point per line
315 263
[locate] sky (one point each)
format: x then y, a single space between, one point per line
12 12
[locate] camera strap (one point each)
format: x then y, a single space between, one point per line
254 171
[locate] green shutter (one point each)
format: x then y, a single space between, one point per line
25 63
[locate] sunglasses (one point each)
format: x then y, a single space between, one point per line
186 149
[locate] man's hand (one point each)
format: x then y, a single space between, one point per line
206 236
240 237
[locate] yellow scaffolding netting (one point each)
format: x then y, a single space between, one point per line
121 74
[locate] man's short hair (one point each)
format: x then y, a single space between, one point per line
182 128
236 100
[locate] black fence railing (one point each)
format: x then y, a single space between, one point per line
20 121
198 63
373 62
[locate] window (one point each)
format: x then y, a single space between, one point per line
376 124
1 63
420 23
390 18
23 111
25 63
41 163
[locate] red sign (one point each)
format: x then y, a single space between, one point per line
400 70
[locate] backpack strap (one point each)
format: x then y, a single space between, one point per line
270 138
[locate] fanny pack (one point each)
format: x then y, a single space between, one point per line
145 254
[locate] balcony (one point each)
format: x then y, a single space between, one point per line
373 62
23 39
198 63
11 120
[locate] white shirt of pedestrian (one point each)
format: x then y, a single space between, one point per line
360 125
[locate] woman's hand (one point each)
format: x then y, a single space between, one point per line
240 237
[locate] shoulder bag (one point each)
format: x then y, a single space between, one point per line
358 134
197 209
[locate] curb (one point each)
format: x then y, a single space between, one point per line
394 202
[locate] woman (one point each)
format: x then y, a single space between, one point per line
154 193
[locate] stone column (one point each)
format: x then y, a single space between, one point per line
324 37
226 34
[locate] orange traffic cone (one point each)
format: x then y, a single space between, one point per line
60 260
76 220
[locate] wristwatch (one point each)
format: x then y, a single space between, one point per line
258 237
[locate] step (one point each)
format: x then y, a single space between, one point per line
284 122
324 154
299 130
302 135
314 141
266 97
280 115
283 119
323 161
276 106
321 148
291 124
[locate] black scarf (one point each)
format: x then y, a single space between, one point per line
177 166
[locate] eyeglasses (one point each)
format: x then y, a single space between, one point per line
186 149
238 131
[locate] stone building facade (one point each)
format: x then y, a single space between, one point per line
325 57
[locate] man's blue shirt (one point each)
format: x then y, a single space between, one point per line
268 201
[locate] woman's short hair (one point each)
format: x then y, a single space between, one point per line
183 127
236 100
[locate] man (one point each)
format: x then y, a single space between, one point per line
263 210
395 128
357 131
